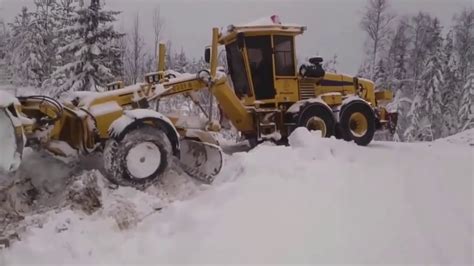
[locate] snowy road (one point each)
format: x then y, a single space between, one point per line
319 201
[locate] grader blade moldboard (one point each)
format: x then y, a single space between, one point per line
202 161
11 142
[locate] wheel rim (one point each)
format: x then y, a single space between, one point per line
358 124
316 123
143 159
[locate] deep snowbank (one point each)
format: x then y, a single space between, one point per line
319 201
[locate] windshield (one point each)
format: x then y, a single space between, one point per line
237 71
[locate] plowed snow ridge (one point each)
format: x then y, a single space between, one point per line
318 201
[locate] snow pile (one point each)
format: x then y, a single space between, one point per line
466 137
318 201
7 99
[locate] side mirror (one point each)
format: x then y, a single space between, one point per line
240 40
207 55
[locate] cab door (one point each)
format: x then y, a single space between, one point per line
286 80
260 58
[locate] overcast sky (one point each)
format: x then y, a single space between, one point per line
333 25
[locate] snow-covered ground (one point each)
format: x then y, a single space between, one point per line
318 201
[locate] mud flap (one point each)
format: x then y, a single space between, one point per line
12 142
200 160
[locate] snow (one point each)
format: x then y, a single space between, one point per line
7 99
64 147
295 108
318 201
196 122
181 78
131 115
86 98
267 21
463 138
105 108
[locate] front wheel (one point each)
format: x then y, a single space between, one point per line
138 160
318 118
357 122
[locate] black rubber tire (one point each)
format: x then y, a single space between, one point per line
115 154
323 113
344 123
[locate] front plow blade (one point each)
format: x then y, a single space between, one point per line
200 160
11 142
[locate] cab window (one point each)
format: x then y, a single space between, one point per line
284 59
237 71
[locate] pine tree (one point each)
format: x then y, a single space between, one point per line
412 132
45 27
450 90
64 14
466 110
464 47
169 59
397 56
181 63
426 111
92 61
464 41
419 33
380 74
397 76
23 59
433 81
4 37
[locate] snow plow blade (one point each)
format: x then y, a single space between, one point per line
11 141
200 160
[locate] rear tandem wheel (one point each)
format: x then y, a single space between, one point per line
318 117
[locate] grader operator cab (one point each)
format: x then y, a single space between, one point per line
265 98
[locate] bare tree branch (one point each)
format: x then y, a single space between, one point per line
376 22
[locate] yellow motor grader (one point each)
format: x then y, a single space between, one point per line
264 95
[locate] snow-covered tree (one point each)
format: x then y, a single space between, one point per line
466 106
93 34
4 37
433 82
419 33
464 41
450 90
24 58
397 78
65 11
135 54
169 60
381 74
426 113
45 27
181 63
331 64
464 47
376 22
